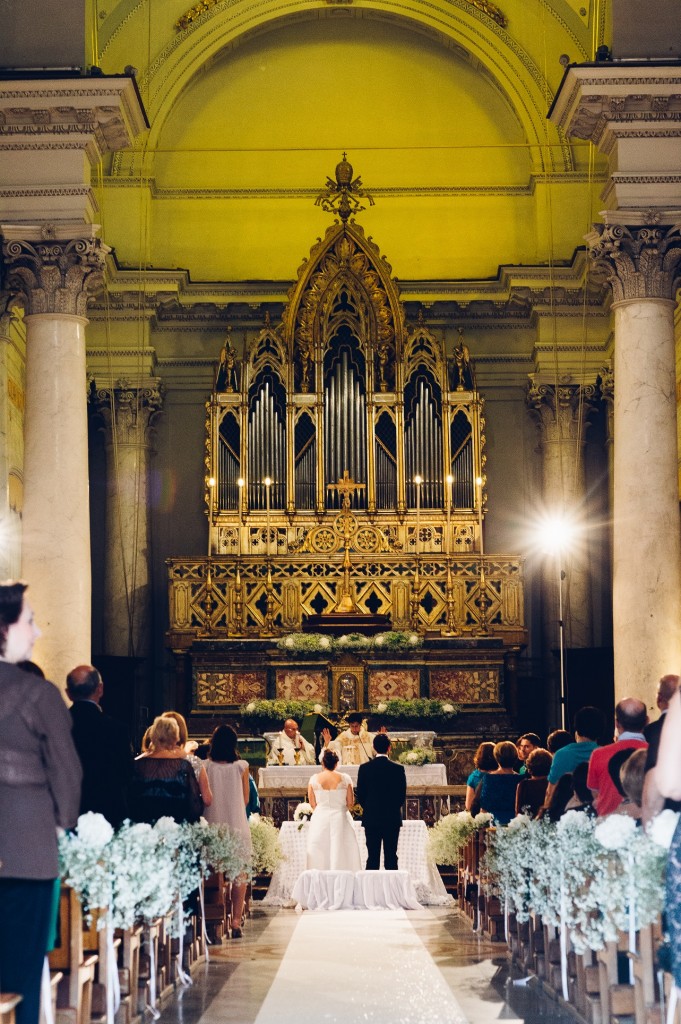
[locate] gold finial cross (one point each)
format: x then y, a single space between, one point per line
346 487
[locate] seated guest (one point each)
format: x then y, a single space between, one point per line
557 803
497 794
631 778
103 747
631 715
163 782
525 744
483 761
589 725
529 796
557 739
188 747
354 745
582 798
291 743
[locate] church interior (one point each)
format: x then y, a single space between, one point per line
316 308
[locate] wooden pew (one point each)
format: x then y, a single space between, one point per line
74 992
8 1003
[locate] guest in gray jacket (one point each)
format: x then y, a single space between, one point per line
39 792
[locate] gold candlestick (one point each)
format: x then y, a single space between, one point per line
268 483
450 482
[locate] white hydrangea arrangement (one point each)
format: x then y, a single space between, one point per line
450 834
418 756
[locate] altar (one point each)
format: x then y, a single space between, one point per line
282 788
412 853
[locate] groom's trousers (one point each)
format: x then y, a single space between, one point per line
388 835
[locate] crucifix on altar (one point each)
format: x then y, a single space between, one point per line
346 487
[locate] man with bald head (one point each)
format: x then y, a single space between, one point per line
631 716
294 748
103 747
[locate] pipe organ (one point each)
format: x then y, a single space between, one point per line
371 437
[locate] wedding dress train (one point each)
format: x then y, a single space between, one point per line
331 841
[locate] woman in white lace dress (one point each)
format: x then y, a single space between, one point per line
331 840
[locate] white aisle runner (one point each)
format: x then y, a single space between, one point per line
358 967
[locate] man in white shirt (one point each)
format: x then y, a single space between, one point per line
294 748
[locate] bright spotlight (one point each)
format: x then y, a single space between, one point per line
556 534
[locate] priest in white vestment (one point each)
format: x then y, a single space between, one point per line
293 746
354 745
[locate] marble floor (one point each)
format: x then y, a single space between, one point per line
464 978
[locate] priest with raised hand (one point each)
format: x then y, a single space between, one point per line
354 745
290 747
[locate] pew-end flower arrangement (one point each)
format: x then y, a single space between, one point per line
450 834
267 852
594 877
142 872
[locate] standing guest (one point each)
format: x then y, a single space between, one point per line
39 793
381 790
228 777
483 761
582 797
558 739
631 776
668 784
189 747
163 781
529 796
589 725
103 747
630 717
497 795
525 744
652 801
293 745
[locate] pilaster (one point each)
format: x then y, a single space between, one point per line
128 410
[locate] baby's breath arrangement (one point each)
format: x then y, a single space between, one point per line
305 643
267 854
450 834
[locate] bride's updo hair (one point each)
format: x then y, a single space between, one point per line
330 759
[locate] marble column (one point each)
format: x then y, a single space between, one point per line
561 415
128 411
642 265
54 279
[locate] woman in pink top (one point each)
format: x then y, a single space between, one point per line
228 778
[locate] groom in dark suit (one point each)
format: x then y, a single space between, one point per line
381 791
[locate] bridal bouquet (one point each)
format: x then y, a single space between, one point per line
302 813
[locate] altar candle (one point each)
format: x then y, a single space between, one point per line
418 480
268 483
450 484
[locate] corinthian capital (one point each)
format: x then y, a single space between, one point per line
639 262
55 276
129 410
560 410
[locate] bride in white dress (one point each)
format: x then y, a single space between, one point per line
331 840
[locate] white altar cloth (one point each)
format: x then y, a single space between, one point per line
412 854
298 776
365 890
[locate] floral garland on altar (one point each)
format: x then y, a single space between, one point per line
593 878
